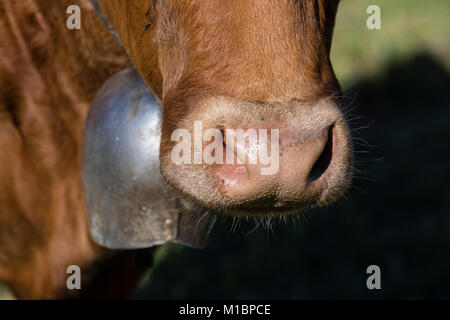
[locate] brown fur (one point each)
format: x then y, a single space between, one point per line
243 49
48 76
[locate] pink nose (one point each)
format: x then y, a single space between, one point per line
275 159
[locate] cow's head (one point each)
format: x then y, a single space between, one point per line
244 64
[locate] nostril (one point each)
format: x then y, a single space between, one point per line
324 159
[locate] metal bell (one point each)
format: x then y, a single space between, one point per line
129 205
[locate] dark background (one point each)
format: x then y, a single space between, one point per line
397 214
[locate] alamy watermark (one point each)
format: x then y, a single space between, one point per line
374 20
73 21
374 280
229 146
73 281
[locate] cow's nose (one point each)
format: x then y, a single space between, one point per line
276 157
276 163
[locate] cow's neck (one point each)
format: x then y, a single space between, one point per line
48 76
57 71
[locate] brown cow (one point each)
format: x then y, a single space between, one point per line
231 64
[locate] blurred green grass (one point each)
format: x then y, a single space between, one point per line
5 293
407 28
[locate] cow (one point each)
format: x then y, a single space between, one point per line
229 64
